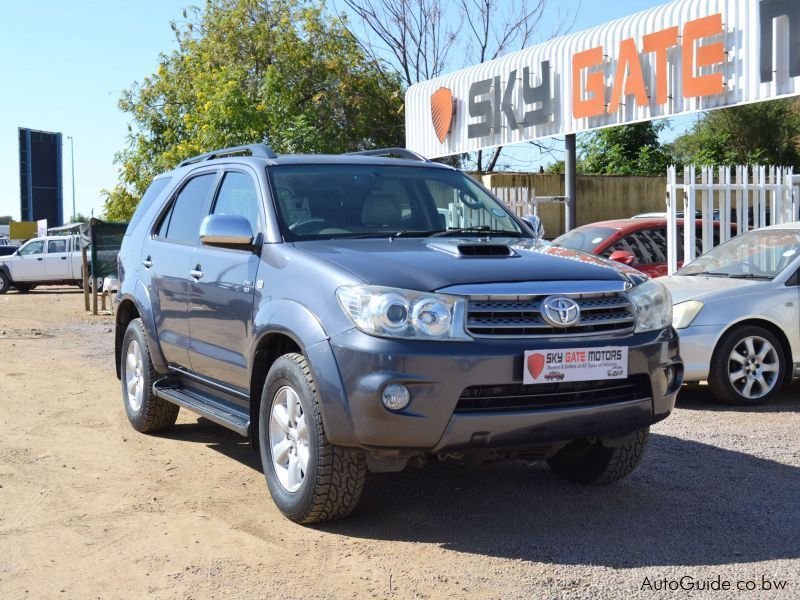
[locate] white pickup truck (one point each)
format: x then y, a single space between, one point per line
42 261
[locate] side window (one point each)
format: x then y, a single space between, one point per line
33 248
182 222
56 246
238 196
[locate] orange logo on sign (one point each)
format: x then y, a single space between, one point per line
442 110
536 365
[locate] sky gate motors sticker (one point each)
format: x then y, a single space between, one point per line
575 364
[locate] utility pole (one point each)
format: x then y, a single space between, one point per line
571 182
72 162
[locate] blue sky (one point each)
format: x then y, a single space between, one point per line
64 64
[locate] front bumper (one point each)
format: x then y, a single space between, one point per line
438 372
697 345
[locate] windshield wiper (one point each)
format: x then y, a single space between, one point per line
750 276
707 274
476 229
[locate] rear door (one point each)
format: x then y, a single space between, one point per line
28 265
223 288
56 260
167 260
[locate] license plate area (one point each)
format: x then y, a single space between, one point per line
575 364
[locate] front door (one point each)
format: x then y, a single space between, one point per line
222 291
28 265
167 261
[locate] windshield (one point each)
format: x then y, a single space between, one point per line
339 201
757 254
585 239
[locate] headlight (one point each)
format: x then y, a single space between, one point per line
653 306
685 313
391 312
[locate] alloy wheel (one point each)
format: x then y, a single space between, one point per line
288 436
134 380
754 367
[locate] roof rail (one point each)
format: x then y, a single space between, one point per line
259 150
401 152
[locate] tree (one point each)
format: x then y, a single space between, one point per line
422 39
78 218
624 150
765 133
275 71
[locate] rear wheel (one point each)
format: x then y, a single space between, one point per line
748 367
310 479
147 413
594 462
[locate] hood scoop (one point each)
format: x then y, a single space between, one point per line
472 249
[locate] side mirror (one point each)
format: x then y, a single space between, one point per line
226 231
535 225
621 256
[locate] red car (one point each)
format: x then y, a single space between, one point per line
640 243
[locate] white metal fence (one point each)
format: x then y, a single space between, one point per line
724 202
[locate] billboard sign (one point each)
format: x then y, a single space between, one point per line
41 193
679 58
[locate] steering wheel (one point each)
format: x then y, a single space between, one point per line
308 226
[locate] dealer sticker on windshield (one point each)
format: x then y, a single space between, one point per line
575 364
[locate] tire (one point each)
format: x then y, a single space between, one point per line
330 486
595 463
146 412
761 361
4 283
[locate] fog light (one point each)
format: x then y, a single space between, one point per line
395 396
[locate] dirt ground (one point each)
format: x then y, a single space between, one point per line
91 509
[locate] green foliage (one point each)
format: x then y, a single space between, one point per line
626 150
5 220
767 134
78 218
245 71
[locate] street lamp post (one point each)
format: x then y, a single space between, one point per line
72 162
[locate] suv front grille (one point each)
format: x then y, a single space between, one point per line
521 316
519 397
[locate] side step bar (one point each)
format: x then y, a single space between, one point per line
213 409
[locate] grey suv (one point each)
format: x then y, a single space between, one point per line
366 311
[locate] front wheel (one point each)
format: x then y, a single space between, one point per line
147 412
595 462
748 367
4 283
310 479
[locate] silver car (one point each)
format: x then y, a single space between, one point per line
737 310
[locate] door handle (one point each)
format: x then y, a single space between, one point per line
196 273
40 259
63 258
147 263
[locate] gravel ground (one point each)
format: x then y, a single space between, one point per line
91 509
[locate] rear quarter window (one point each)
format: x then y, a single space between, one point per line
150 196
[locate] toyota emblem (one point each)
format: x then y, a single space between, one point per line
560 311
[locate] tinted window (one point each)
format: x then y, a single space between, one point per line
33 248
238 196
146 202
54 246
182 224
649 246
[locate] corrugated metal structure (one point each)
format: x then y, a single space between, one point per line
755 57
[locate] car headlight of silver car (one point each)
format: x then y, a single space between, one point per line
392 312
652 304
684 313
